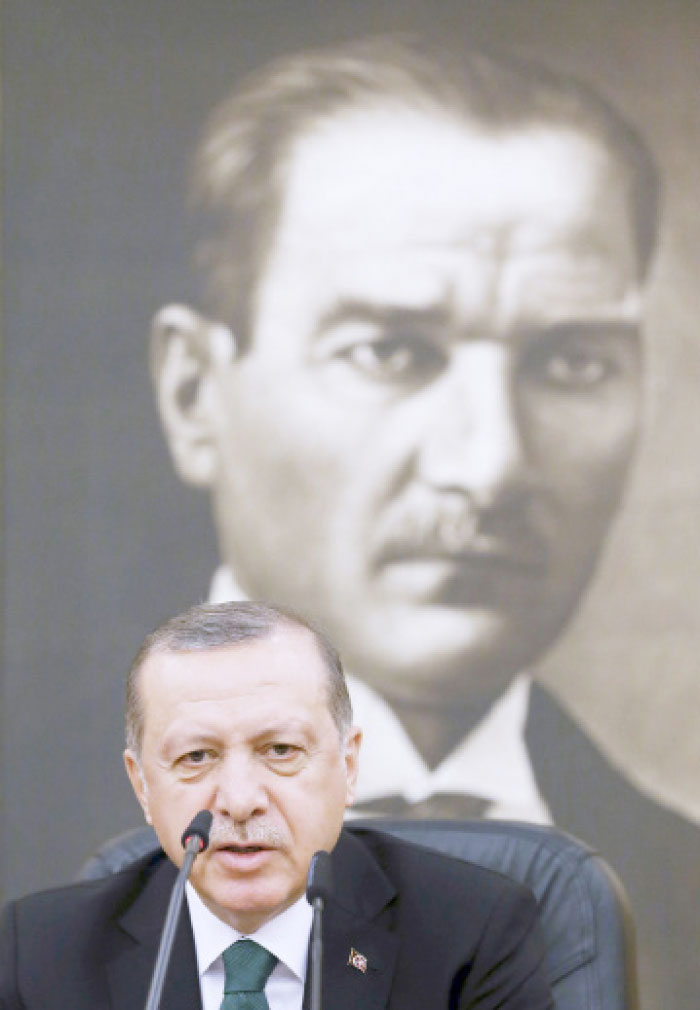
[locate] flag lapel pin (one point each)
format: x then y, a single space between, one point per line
357 960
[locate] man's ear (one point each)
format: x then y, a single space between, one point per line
138 782
352 756
186 349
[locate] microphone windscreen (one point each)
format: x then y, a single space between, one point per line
199 827
319 883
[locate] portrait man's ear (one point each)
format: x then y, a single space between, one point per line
186 349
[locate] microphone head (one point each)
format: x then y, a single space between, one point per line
199 827
319 883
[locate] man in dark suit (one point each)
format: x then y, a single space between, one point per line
242 709
413 389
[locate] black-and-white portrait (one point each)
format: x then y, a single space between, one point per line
386 316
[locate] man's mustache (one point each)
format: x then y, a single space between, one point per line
250 832
450 524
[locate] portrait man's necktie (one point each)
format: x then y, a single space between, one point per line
248 967
454 806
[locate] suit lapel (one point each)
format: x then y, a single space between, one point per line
578 783
359 960
130 968
547 739
356 923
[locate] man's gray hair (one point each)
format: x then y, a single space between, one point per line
241 164
216 626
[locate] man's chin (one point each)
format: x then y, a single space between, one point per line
414 644
246 904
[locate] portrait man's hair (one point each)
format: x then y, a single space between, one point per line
238 174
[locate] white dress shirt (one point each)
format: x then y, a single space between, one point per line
286 936
491 761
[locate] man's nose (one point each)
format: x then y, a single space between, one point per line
239 788
475 440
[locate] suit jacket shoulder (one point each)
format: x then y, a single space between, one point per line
92 945
454 934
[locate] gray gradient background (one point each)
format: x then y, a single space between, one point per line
102 103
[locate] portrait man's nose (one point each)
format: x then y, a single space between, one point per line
473 441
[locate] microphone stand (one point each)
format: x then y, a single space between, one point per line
195 839
316 953
318 888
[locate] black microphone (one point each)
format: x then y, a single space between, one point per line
195 839
319 887
199 827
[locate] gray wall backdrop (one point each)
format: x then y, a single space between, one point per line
102 103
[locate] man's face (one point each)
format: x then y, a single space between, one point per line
426 442
244 732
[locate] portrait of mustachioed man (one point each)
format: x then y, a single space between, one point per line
420 367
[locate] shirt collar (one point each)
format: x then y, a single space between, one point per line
491 761
286 935
224 587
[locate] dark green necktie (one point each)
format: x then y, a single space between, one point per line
248 967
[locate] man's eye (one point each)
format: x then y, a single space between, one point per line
395 359
578 364
282 750
284 758
196 757
577 368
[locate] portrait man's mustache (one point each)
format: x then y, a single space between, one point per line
452 526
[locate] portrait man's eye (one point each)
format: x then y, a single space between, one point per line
396 358
582 362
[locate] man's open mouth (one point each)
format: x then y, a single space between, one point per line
242 849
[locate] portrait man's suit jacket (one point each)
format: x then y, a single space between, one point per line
434 932
655 852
